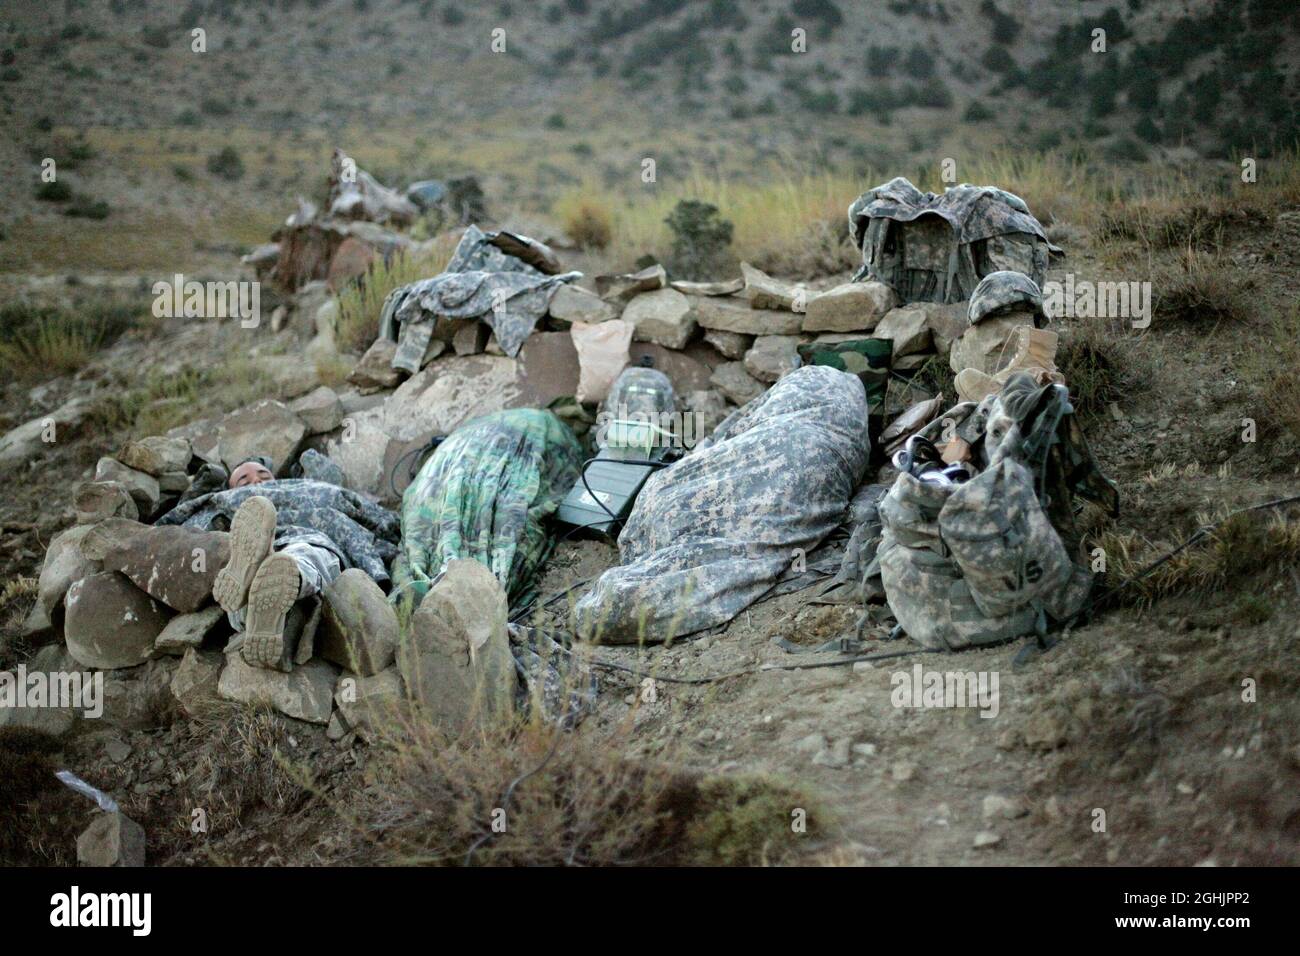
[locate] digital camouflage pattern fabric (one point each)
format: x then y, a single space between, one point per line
1003 290
712 533
923 584
988 560
485 494
505 289
936 248
362 534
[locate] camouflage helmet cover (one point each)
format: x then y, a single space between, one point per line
1001 290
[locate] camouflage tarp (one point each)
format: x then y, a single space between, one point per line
867 358
485 494
713 532
362 534
500 278
935 248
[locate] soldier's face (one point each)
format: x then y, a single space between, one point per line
250 473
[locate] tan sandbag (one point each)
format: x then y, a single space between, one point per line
602 354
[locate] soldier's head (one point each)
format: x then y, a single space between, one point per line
251 472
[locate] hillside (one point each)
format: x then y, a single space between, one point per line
580 94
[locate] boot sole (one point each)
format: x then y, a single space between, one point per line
272 593
252 533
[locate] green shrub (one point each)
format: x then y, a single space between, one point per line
701 240
226 164
46 341
55 191
83 207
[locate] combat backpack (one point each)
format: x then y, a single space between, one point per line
936 248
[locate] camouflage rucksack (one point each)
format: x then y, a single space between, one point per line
936 248
1010 556
983 561
923 584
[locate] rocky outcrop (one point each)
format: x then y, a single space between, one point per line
266 428
175 565
110 623
852 307
455 659
358 626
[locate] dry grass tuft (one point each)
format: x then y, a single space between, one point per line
362 301
155 402
39 817
44 342
1100 364
250 767
1201 289
17 598
558 798
1280 361
1247 549
588 222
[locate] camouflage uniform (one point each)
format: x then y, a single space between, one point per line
509 290
712 533
935 248
361 534
485 494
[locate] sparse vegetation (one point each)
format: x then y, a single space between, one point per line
1101 365
588 224
226 164
39 811
54 191
572 799
45 341
1200 289
83 207
701 240
361 303
1244 551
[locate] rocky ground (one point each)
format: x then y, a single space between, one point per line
1162 732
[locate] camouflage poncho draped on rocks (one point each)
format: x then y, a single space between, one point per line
362 534
509 290
485 494
712 533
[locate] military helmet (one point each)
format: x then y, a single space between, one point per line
1001 290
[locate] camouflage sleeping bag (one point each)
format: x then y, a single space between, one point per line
485 494
712 533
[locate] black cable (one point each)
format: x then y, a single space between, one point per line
1200 533
714 678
